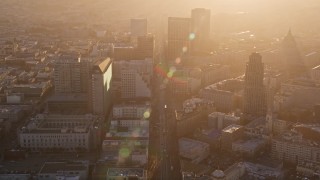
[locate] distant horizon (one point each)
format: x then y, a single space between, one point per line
231 15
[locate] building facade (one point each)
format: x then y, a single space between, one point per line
71 75
200 26
60 132
135 78
254 102
179 30
101 87
293 147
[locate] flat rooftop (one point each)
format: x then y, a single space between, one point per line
72 97
54 167
126 172
232 128
9 109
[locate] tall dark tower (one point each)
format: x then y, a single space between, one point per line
254 102
291 56
178 37
200 26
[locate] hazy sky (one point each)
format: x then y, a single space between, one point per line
301 15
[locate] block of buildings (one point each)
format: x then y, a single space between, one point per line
11 113
126 173
64 170
230 134
297 145
47 132
194 151
135 110
248 147
219 120
224 94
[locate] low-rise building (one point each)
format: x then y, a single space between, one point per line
31 90
68 103
249 147
64 170
276 126
188 122
309 169
131 110
126 174
297 145
247 170
225 94
230 134
193 150
47 132
212 73
184 86
11 176
219 120
11 113
193 116
126 142
315 73
210 136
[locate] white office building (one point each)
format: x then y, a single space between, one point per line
68 132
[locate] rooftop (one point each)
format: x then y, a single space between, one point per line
74 97
295 137
250 143
56 167
103 65
232 128
126 172
190 148
9 109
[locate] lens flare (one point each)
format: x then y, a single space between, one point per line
124 152
192 36
146 114
184 49
178 60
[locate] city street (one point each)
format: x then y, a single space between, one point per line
167 145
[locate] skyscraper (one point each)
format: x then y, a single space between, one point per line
293 62
145 47
178 37
101 86
254 102
135 78
139 27
200 26
71 75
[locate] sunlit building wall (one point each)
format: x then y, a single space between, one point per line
101 86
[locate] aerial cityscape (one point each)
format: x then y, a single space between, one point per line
159 90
